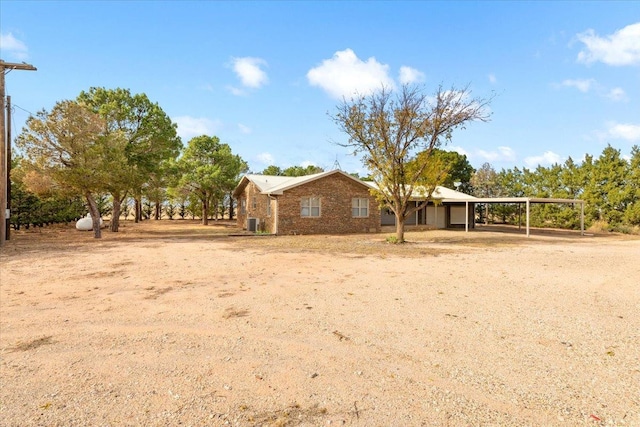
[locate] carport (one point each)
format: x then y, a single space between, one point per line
527 201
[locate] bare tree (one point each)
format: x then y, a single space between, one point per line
396 134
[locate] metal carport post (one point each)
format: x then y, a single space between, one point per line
528 206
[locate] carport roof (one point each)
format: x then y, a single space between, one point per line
519 200
527 201
441 193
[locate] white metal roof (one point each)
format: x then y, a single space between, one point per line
272 184
520 200
276 185
265 182
441 193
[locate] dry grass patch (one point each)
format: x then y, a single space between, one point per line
155 293
33 344
291 416
418 243
59 239
232 312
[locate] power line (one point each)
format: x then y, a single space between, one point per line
19 107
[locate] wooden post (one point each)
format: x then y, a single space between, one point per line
4 144
3 161
7 219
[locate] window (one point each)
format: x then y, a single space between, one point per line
243 206
254 203
310 206
268 207
360 207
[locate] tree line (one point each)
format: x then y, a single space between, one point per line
109 146
116 153
609 185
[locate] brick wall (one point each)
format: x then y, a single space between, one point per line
335 192
256 207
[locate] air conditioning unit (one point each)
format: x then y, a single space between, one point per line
252 224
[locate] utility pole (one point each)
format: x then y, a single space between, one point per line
9 139
6 67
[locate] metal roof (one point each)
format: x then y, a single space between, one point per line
520 200
276 185
265 182
441 193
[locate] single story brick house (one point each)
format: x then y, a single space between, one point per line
334 202
330 202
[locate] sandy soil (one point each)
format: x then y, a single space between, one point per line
172 323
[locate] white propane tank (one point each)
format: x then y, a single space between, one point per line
86 223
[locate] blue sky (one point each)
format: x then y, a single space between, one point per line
264 76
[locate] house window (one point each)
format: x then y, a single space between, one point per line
254 203
360 207
310 206
243 206
268 207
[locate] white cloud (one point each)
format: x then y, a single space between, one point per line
628 132
507 153
617 94
503 154
266 158
583 85
460 98
189 127
492 78
490 156
11 44
345 74
244 129
410 75
548 158
619 48
308 163
250 71
587 85
459 150
236 91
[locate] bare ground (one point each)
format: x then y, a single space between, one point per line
172 323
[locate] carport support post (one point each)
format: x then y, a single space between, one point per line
466 217
435 208
528 207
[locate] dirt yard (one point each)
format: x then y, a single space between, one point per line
171 323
